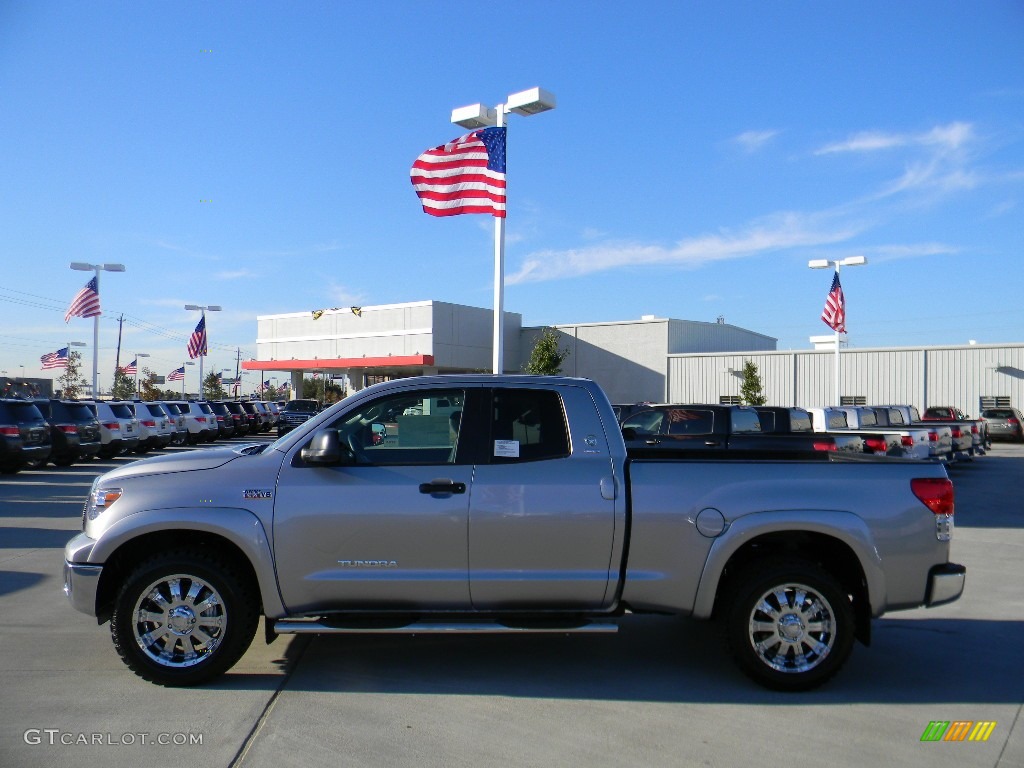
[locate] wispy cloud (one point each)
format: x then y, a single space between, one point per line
342 296
788 230
235 274
751 141
941 138
894 252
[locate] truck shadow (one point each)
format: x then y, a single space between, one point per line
662 659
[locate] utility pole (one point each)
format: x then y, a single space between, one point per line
117 360
238 362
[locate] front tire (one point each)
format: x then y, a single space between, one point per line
183 618
789 625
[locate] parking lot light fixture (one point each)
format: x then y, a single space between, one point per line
849 261
529 102
82 266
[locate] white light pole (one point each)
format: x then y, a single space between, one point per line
137 366
526 103
849 261
202 352
97 268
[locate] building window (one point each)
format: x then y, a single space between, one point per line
729 400
853 400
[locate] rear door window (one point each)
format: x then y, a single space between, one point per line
527 425
693 421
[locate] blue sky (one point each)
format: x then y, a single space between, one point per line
256 156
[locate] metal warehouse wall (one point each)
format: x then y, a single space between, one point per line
629 358
958 376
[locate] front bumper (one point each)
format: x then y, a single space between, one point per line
945 584
80 586
81 580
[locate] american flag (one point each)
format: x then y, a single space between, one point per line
177 375
131 368
466 175
58 359
86 302
197 343
834 313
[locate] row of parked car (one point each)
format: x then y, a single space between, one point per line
941 433
33 432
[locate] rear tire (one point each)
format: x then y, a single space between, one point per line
789 624
183 618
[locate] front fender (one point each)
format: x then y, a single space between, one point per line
842 526
239 526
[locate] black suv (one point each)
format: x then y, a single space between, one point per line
74 430
239 418
24 435
225 419
294 413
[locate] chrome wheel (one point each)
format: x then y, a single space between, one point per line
792 628
179 620
185 616
789 623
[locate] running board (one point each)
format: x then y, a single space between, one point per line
304 626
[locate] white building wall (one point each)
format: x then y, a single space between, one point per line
957 376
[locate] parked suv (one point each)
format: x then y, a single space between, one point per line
24 435
119 429
156 430
239 418
1004 424
178 417
74 430
294 413
225 419
200 420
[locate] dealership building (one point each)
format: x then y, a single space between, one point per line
648 359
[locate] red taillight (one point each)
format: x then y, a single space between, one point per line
1012 421
974 429
112 426
907 440
936 493
956 432
933 437
818 445
220 418
201 419
148 423
876 444
67 429
236 417
9 431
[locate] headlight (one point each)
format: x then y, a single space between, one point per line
99 500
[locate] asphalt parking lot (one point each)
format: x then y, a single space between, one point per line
660 692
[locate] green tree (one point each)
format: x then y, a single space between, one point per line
751 390
124 386
148 389
546 358
72 385
213 388
321 388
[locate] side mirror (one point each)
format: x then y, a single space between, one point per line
325 449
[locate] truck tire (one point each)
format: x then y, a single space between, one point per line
183 618
789 624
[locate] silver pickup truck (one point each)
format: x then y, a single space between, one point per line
501 504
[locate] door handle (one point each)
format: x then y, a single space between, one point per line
442 486
711 443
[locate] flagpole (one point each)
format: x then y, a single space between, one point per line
499 268
837 388
95 341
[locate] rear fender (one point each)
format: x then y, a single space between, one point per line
844 527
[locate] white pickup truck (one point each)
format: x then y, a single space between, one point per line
519 510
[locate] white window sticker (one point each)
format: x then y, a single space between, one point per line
508 449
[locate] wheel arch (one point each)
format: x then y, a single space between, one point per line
840 546
237 536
